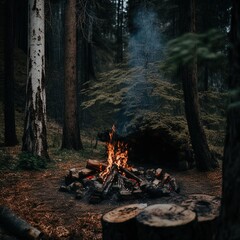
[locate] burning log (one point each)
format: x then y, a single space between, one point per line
120 223
96 165
115 176
17 226
109 181
166 221
207 209
75 174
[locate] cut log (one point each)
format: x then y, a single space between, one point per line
120 223
109 181
84 172
207 209
75 174
166 221
96 165
17 226
130 174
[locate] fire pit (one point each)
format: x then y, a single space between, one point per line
115 179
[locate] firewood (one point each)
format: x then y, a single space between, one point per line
207 209
174 185
158 173
17 226
150 174
120 223
96 165
131 175
109 181
156 191
74 174
166 221
166 178
85 172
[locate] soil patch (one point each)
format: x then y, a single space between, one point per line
34 196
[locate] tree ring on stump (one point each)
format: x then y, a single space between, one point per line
206 206
166 215
124 213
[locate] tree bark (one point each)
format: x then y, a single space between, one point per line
230 209
120 223
119 32
207 208
17 226
71 132
203 157
166 221
35 134
10 137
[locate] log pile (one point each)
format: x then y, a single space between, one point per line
193 219
120 183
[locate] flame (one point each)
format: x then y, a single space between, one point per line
117 154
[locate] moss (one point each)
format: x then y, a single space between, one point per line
145 100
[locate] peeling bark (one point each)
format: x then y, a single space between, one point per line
35 137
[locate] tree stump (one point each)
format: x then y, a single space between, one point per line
120 223
207 209
166 222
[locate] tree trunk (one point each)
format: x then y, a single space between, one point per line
203 157
35 134
206 76
166 221
119 32
230 210
71 132
9 109
120 223
55 66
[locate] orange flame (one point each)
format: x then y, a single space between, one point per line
117 154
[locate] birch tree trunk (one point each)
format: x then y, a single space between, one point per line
71 132
35 136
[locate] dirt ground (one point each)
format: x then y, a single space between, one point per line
34 196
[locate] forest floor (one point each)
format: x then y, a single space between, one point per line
34 196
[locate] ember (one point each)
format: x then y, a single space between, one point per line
114 179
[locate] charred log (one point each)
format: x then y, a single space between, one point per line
96 165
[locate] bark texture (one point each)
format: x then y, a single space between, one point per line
35 136
17 226
203 157
230 210
9 109
71 132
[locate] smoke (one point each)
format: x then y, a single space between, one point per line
145 43
145 48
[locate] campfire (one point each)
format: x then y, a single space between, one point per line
115 179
